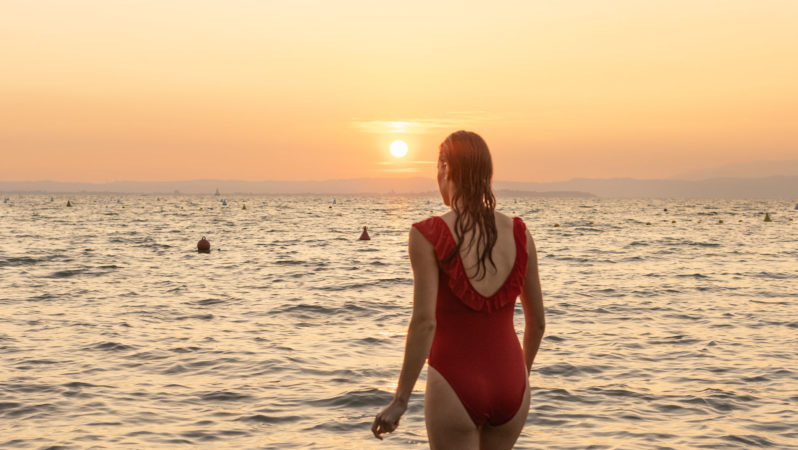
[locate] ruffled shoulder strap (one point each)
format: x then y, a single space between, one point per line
522 257
437 233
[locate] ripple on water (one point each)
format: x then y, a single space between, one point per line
224 396
356 399
111 347
261 418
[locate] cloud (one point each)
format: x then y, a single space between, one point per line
394 163
400 170
421 126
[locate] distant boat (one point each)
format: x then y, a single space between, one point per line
334 203
224 202
796 206
217 192
51 199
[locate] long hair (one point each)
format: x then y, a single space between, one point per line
471 171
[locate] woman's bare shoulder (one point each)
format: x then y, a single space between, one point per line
503 220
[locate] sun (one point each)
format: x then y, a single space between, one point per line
398 148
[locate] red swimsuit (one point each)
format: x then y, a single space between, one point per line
475 346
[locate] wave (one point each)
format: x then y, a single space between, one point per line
224 396
261 418
111 347
363 398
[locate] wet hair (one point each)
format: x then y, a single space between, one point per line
471 171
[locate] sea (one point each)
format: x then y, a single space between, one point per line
671 323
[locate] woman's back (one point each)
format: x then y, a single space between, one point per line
503 254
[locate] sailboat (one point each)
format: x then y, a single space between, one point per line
217 192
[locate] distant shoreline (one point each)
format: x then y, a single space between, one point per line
774 187
499 193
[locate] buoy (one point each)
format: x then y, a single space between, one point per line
118 202
158 199
364 236
648 223
720 220
666 209
740 220
673 221
767 218
556 225
69 204
203 246
5 200
590 223
244 207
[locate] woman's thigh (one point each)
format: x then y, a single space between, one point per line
505 435
448 424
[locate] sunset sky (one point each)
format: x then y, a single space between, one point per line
103 90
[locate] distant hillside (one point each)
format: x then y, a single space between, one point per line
350 186
764 187
750 169
555 194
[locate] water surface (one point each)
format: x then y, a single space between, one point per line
114 332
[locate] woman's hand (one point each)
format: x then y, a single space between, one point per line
388 419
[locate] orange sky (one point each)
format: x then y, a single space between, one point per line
172 90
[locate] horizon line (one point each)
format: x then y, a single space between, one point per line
325 180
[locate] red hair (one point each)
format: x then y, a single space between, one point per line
471 171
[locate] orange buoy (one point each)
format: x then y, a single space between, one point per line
365 235
203 246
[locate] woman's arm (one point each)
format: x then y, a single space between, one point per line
532 301
419 333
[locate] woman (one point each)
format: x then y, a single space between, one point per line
469 266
